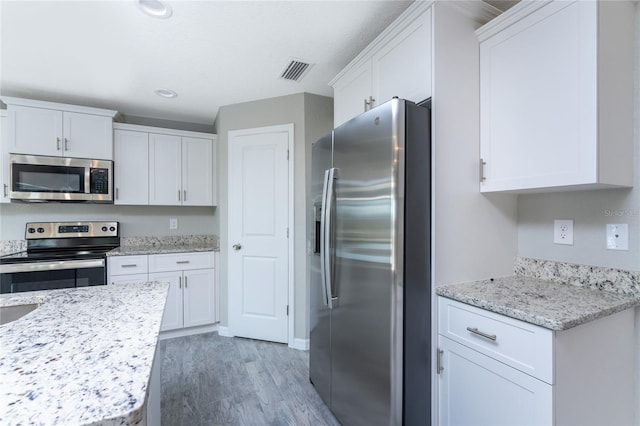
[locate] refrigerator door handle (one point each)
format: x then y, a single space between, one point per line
326 236
323 240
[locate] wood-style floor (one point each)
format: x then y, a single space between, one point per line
211 380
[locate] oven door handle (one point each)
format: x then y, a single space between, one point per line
51 266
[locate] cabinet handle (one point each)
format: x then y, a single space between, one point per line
185 282
368 103
439 366
116 193
133 265
474 330
179 282
182 262
66 144
58 144
179 195
184 198
6 190
482 164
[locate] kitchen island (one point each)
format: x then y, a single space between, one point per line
83 356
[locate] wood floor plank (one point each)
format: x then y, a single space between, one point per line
210 380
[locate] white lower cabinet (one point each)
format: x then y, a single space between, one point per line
191 300
496 370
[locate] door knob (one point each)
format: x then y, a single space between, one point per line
237 246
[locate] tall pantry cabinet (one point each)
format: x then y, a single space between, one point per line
468 228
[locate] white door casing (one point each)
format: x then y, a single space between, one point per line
260 268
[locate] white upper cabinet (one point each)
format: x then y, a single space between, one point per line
396 63
46 128
165 170
131 170
166 167
556 97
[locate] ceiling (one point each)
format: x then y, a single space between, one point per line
212 53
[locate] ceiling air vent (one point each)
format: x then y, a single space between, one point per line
295 69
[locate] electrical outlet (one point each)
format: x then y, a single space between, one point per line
173 223
618 236
563 231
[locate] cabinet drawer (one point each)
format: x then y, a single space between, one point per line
524 346
128 279
180 261
127 265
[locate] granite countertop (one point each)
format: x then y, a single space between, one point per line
544 303
84 356
131 246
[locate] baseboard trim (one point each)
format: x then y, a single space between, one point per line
300 344
188 331
224 331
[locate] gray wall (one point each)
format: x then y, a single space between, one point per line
312 116
591 211
135 220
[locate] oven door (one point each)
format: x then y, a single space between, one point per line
51 275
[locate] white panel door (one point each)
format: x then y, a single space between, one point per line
87 136
36 131
199 301
131 168
197 172
403 66
258 227
477 390
173 309
165 170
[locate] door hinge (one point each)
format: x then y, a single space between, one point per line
287 310
439 366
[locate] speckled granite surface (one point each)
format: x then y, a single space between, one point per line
84 356
12 246
593 277
544 303
131 246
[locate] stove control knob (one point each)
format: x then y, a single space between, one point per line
40 230
32 230
104 229
113 228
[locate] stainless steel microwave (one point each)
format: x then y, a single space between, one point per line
38 178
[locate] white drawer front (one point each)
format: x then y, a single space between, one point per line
524 346
127 265
128 279
180 261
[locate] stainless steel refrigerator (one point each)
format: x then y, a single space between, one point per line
370 316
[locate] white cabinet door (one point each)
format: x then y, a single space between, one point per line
173 310
131 167
199 297
128 279
165 170
351 92
197 172
477 390
87 136
402 67
36 131
4 159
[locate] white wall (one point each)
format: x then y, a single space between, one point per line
134 220
311 115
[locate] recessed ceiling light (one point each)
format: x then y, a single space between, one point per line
166 93
155 8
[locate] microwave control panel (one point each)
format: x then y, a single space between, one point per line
99 181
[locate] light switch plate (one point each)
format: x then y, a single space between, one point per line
563 231
618 236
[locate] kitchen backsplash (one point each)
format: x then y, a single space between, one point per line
594 277
170 240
